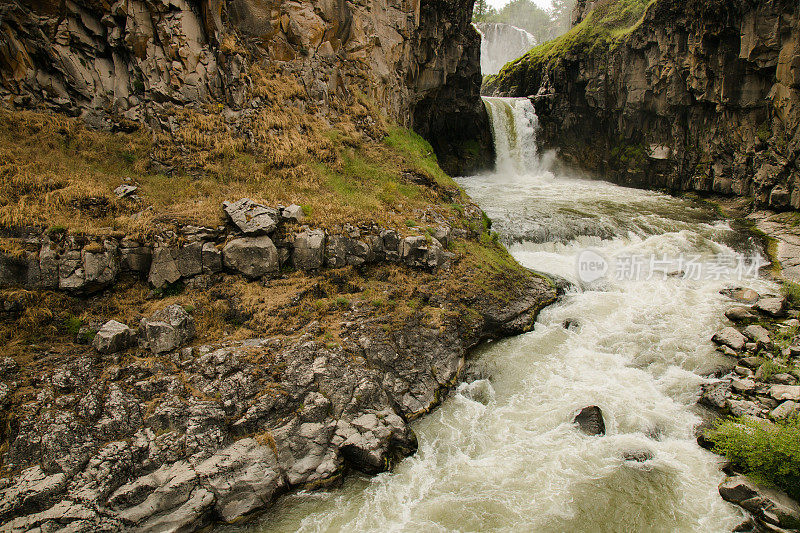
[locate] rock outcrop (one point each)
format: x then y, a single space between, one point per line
694 95
129 62
168 437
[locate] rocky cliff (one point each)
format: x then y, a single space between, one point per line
128 62
685 95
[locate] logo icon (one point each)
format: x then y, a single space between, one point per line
591 266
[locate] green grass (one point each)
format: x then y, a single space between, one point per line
419 153
791 290
766 452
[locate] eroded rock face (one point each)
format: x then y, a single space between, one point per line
700 96
171 440
119 63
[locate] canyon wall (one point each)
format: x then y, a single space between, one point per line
123 63
699 95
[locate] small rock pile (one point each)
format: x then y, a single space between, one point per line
764 385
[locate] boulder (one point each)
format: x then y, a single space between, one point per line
742 386
293 213
767 504
785 392
590 420
739 314
163 267
124 191
309 250
716 394
113 337
168 329
252 218
774 307
758 334
252 256
730 337
785 410
746 296
211 258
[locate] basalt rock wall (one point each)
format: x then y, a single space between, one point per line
127 62
695 95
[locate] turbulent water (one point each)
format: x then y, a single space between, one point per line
501 43
501 454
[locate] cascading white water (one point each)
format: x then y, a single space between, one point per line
501 43
501 454
514 124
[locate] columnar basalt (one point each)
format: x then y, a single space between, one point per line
127 62
696 95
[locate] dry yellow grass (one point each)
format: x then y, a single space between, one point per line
55 172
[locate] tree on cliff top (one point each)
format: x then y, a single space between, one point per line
542 24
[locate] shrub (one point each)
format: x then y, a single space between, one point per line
768 452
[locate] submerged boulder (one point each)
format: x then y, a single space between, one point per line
590 420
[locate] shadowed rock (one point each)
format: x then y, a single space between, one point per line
590 421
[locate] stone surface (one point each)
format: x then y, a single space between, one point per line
785 392
730 337
768 505
252 218
293 213
785 409
758 333
309 250
590 420
168 329
775 307
739 314
254 257
113 337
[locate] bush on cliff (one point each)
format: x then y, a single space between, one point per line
767 452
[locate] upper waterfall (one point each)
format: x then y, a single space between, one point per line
501 43
514 127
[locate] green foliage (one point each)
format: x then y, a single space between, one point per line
72 324
766 452
763 131
542 24
341 301
56 230
772 367
411 224
791 290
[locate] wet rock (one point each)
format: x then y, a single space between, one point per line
770 505
759 334
309 250
785 392
716 394
739 314
252 218
743 295
590 420
774 307
168 329
743 386
571 324
293 213
253 257
730 337
113 337
638 456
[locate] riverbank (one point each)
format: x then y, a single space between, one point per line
171 361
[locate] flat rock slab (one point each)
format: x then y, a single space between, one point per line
785 392
774 307
730 337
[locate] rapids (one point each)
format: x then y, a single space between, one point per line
501 453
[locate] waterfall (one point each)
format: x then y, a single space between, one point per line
514 127
501 43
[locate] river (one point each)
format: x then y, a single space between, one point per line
502 454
